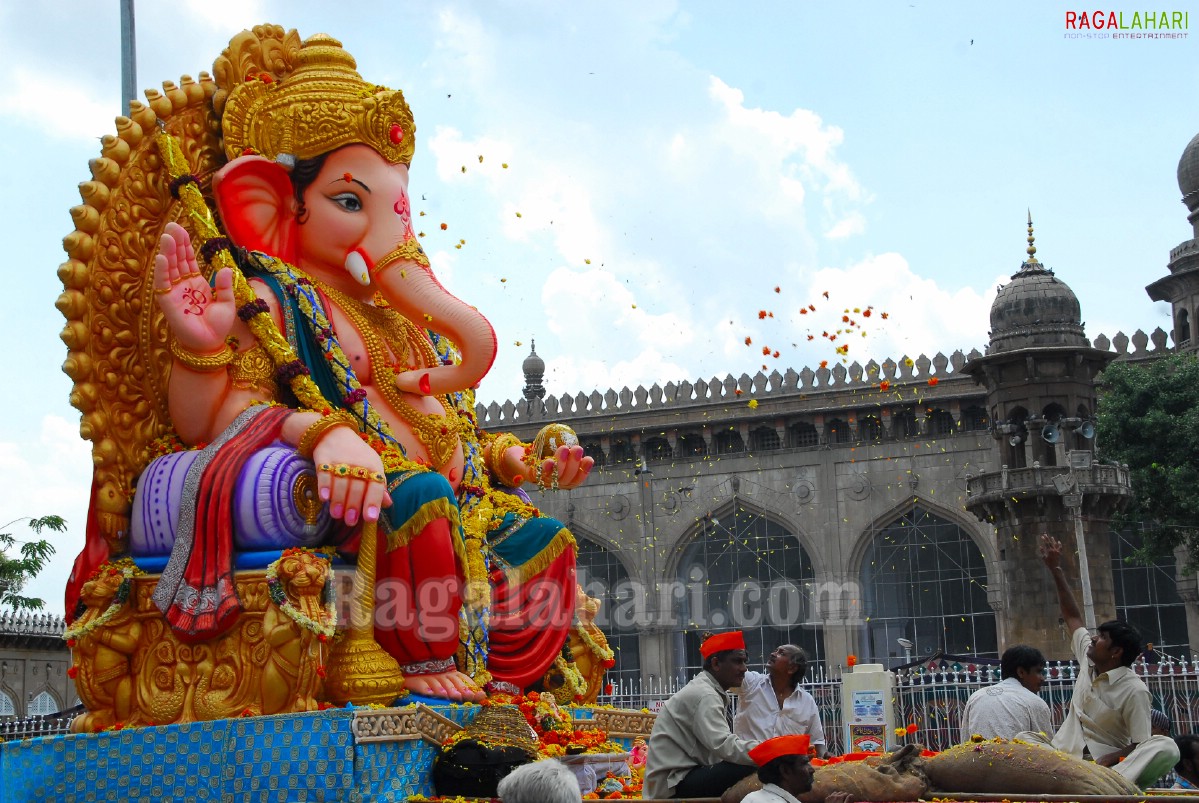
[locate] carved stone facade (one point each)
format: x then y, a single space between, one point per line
824 453
33 666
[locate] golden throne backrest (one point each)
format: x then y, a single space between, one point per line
115 333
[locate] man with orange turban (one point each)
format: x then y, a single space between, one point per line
692 749
784 769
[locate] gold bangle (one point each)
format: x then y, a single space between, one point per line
495 458
203 363
314 432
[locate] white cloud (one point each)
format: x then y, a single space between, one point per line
775 141
57 109
581 374
48 473
546 198
922 317
848 226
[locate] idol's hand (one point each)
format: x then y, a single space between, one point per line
349 476
200 317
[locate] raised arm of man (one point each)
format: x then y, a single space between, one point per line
1051 555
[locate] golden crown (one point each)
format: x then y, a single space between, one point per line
288 103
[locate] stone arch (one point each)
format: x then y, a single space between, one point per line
981 540
939 423
606 574
726 506
691 444
870 429
1182 327
608 544
974 418
744 567
837 431
925 576
657 450
44 702
8 701
802 435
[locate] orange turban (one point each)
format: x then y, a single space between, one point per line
771 749
733 640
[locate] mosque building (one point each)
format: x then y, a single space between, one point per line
886 525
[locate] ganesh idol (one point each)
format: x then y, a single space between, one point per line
286 303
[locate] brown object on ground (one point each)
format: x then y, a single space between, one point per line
1013 767
893 777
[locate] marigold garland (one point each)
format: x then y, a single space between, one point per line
324 630
128 571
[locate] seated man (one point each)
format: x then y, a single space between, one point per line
1109 712
773 704
1012 705
785 771
1186 771
692 749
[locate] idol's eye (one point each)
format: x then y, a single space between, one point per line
348 201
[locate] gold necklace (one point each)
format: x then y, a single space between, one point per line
378 326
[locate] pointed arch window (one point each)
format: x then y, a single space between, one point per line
603 576
43 704
924 579
744 570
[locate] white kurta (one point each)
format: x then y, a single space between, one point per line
759 716
691 731
770 794
1003 710
1107 712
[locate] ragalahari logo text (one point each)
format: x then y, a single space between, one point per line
1101 24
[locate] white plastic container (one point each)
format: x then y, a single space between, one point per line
868 708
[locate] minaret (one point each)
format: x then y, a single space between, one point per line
534 368
1181 287
1039 372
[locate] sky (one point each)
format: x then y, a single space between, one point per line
669 165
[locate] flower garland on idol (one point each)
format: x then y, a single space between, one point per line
127 570
324 630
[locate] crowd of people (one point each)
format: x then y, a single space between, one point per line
699 749
695 749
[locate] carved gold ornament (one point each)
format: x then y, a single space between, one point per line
307 101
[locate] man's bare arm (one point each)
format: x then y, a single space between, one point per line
1051 555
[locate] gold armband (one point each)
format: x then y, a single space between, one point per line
203 363
495 459
314 432
252 369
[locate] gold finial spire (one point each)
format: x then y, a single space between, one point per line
1032 249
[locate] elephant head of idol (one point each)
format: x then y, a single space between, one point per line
318 177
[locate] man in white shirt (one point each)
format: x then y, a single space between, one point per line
773 704
692 749
1109 712
786 772
1012 705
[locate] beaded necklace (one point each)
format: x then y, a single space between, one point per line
379 327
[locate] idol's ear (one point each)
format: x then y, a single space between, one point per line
257 206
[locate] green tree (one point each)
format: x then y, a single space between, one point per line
1148 417
30 558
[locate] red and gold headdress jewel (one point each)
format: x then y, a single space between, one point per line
287 103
